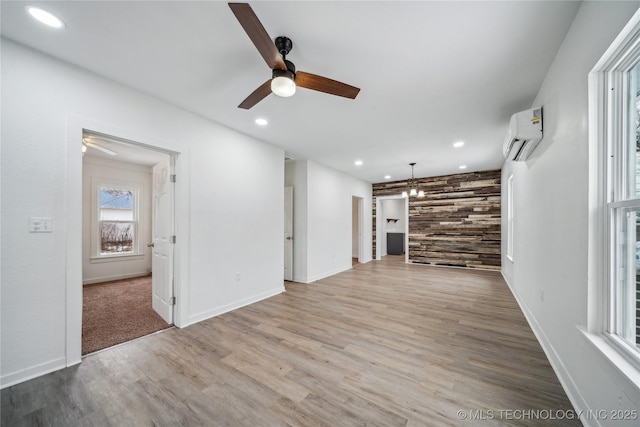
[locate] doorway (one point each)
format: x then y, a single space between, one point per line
396 214
288 233
357 221
127 249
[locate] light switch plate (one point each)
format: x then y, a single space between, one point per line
40 225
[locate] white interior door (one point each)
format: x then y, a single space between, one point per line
288 233
162 253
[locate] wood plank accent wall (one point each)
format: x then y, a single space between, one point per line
457 223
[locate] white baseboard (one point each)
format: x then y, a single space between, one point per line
573 392
114 277
327 274
233 306
307 280
13 378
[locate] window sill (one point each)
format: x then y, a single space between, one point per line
610 351
112 258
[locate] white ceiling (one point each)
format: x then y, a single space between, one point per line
430 73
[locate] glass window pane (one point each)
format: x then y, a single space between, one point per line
116 237
624 296
633 147
116 204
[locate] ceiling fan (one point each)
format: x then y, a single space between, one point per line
284 78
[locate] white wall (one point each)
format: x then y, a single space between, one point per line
395 209
229 248
329 220
322 219
102 270
549 272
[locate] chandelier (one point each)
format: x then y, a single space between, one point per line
412 187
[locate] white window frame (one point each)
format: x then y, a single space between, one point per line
96 252
608 133
510 218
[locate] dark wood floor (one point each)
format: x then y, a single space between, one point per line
385 344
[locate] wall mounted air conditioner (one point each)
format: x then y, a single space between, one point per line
524 134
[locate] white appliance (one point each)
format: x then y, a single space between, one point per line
524 134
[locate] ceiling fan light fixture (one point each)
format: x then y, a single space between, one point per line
283 83
413 192
274 53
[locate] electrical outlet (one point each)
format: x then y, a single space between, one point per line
40 225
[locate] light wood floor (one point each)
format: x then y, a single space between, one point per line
385 344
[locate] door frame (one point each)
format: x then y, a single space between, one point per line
380 226
72 224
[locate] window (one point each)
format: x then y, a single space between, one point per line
623 205
624 208
115 220
614 239
510 207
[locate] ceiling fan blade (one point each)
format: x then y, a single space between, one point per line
99 148
323 84
258 35
257 95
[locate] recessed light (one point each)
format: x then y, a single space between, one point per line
358 163
458 144
387 177
462 167
261 122
45 17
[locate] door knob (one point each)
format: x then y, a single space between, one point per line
151 245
